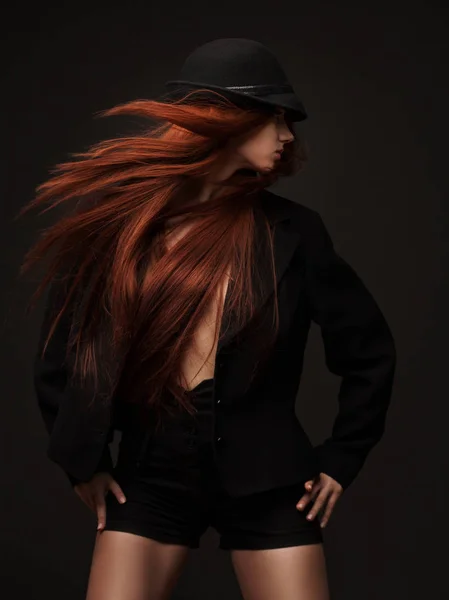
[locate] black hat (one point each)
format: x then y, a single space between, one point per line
243 70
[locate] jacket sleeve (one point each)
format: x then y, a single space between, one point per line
358 346
50 372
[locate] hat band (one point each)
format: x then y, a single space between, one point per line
253 90
261 90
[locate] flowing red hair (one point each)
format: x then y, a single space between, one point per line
125 189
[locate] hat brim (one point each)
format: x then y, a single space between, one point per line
287 100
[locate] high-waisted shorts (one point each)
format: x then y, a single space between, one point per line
173 493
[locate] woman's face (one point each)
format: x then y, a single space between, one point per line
259 150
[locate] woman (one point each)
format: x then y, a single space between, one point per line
181 297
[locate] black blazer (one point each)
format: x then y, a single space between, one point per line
259 442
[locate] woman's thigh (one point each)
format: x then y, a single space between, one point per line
290 573
126 566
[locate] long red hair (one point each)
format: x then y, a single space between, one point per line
124 191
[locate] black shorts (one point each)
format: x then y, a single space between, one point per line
174 494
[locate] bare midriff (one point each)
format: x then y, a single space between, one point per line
196 366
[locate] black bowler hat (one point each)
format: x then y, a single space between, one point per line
243 70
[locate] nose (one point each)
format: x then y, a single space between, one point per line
285 135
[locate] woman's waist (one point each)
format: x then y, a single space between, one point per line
131 415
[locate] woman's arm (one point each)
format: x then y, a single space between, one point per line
359 347
50 374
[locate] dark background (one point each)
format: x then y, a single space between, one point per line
371 76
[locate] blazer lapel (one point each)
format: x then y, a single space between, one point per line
278 211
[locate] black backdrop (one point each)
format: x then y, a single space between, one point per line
371 76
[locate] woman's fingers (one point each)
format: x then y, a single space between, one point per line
100 507
325 492
325 503
318 504
313 488
329 508
93 494
117 491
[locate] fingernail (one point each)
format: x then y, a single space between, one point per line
300 505
99 526
122 499
309 516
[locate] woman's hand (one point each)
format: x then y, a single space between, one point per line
325 491
93 494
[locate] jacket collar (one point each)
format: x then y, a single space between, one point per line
276 208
